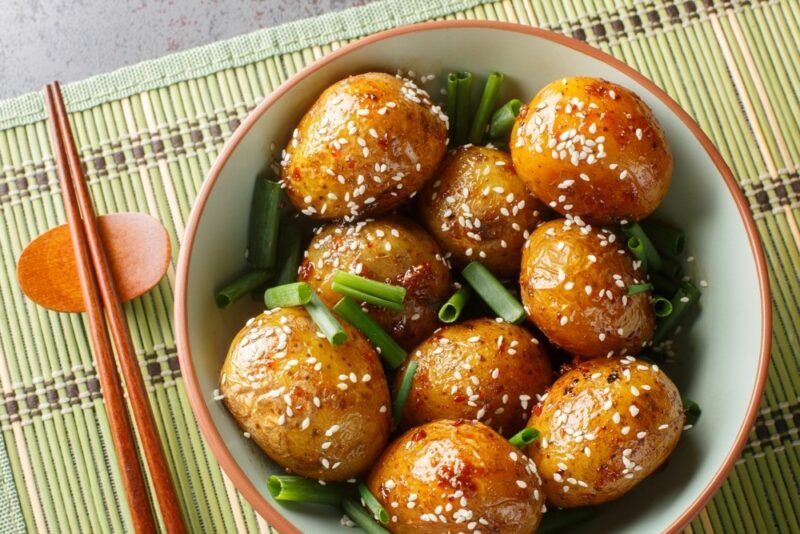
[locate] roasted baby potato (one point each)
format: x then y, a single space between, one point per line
392 250
366 146
457 476
479 369
593 149
606 425
478 209
319 410
574 284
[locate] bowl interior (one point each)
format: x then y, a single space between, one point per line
718 359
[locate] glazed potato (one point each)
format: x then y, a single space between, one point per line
574 283
319 410
366 146
593 149
392 250
478 209
457 476
479 369
606 425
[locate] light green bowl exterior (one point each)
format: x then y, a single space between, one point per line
718 359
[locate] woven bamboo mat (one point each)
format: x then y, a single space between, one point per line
149 133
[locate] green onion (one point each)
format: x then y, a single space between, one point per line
557 520
653 257
325 320
633 289
240 287
360 517
488 100
668 240
451 310
392 353
662 307
524 437
372 504
299 489
290 252
663 285
503 120
460 128
637 249
287 295
452 101
403 391
361 296
264 222
670 268
493 293
373 287
682 302
692 411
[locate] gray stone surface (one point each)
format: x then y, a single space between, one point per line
67 40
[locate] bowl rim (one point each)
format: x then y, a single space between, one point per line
196 398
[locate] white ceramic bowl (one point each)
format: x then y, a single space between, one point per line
723 359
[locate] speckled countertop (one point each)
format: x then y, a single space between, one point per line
45 40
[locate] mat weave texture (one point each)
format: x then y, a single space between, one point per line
149 133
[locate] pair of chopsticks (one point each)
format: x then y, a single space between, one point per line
102 302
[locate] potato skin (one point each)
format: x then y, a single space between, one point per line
466 370
392 250
477 208
593 149
392 145
333 428
574 289
459 471
628 415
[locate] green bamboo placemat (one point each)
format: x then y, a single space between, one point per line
149 133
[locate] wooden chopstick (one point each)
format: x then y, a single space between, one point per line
121 430
94 269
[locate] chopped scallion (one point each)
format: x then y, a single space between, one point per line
403 391
451 310
391 353
493 293
524 437
325 320
288 295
